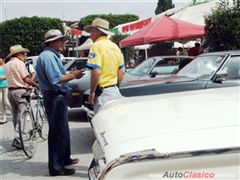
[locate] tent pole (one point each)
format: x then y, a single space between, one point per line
146 53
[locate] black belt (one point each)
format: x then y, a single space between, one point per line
109 86
14 88
99 89
54 93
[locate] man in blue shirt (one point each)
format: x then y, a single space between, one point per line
53 82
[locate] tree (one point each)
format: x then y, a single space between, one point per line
222 27
127 52
114 19
29 32
163 5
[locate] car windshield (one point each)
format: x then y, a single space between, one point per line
202 67
144 67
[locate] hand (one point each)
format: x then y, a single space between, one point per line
91 98
78 73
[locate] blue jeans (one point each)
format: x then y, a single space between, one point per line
58 136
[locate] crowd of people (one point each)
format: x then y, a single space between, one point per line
193 51
106 63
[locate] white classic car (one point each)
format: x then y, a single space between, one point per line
194 134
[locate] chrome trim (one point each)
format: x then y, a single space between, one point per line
143 156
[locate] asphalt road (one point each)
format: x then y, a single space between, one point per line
15 165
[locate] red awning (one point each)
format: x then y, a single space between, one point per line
163 29
76 31
136 25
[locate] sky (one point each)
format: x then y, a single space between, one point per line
74 10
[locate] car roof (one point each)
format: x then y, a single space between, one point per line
171 56
233 52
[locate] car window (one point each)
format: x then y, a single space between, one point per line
144 67
202 67
166 66
232 67
78 63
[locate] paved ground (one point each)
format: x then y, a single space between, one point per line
15 165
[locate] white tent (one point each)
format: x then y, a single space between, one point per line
85 46
195 13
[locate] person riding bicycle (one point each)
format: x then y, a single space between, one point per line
18 82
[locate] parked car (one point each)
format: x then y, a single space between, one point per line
70 63
211 70
158 66
193 132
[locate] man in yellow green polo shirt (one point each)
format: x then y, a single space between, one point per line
106 63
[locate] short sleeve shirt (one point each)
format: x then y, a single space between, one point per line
16 71
106 56
50 70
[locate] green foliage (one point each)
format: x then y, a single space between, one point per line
127 52
163 5
223 27
113 19
29 32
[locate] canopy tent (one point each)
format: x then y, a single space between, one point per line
85 46
163 29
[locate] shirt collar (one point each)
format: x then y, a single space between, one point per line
53 50
102 37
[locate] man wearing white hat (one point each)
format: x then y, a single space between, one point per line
18 81
106 63
53 82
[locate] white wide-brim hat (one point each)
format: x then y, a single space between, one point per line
16 49
100 24
53 35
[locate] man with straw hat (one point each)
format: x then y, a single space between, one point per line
53 82
18 81
106 63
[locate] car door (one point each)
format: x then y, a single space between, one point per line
232 69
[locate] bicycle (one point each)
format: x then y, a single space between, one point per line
31 127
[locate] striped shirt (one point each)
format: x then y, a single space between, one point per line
16 71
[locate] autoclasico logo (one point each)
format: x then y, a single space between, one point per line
189 175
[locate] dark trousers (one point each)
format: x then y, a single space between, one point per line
58 136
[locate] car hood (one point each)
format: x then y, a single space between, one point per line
131 80
82 84
176 122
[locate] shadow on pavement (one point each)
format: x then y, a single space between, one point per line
77 114
82 140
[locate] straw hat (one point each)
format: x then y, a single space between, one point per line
16 49
100 24
53 35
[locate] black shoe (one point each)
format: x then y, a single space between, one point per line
72 161
64 172
16 143
3 122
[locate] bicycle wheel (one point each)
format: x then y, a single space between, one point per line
42 122
27 133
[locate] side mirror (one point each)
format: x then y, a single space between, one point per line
153 74
220 76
